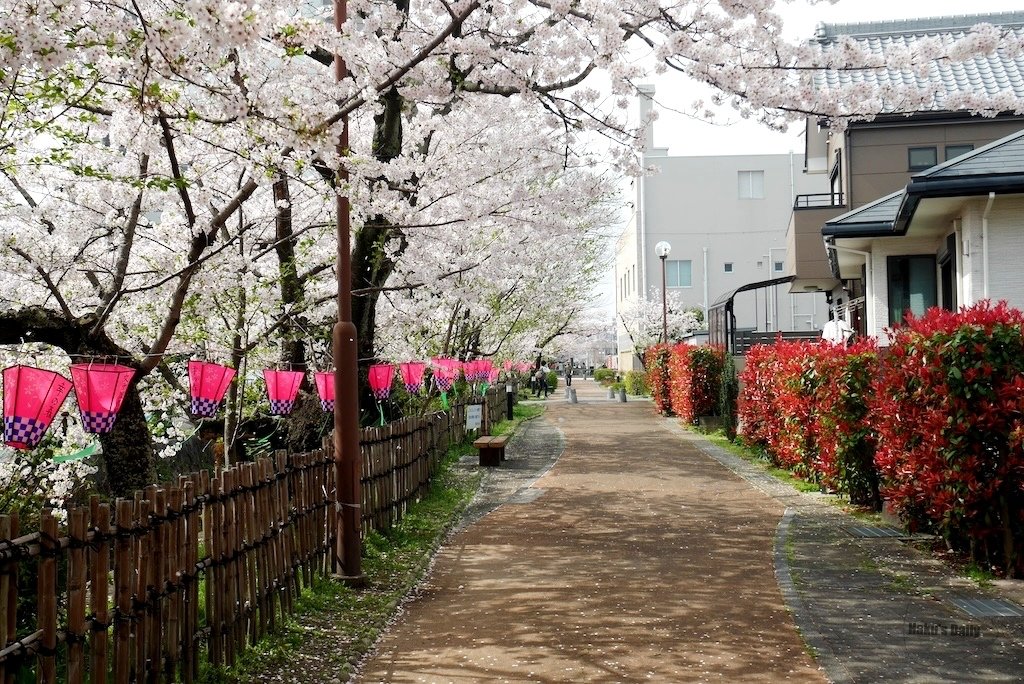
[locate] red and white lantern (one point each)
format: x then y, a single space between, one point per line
282 388
381 377
32 397
412 375
446 372
325 388
207 384
100 389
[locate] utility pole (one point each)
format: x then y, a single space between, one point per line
347 457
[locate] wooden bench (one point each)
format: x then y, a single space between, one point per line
492 449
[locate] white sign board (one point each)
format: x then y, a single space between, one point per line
474 416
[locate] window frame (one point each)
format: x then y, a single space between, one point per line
749 174
728 267
917 167
966 147
668 279
890 267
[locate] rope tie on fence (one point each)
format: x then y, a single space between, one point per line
51 547
97 626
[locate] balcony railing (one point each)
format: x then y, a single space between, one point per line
821 200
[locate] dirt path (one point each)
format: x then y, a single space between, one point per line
635 558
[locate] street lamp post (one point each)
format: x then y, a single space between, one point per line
662 249
347 458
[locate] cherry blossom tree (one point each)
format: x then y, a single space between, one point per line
643 322
168 167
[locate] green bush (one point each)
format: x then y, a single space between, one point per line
729 389
552 381
636 383
604 375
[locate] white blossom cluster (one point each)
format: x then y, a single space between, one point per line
155 157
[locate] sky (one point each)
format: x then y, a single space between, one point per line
685 136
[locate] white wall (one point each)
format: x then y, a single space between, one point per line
1006 250
694 204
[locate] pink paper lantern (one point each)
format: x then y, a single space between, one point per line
282 388
207 384
412 375
381 376
325 388
32 397
507 364
100 388
492 376
446 372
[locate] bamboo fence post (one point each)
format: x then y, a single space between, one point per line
100 587
212 531
8 608
123 570
229 593
47 597
140 557
154 603
282 547
174 543
77 533
270 528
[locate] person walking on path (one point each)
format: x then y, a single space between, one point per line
634 558
540 383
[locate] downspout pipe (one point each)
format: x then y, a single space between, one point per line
984 244
705 287
869 289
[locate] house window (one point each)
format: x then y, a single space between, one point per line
954 151
912 286
920 158
777 266
751 184
728 267
836 180
947 274
679 274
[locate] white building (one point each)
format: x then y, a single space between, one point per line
725 218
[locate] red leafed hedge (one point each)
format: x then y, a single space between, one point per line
844 437
758 421
804 405
948 409
695 374
656 360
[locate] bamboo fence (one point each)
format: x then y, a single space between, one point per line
148 588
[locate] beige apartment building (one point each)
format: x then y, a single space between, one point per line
725 218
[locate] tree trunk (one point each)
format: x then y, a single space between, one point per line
371 263
127 449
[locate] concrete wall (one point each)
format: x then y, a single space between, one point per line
694 205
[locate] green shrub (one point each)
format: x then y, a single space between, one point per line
636 383
552 381
604 375
729 389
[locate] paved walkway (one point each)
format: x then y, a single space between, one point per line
644 553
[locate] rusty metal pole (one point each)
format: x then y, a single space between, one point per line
347 457
664 303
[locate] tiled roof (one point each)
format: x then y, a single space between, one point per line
880 211
987 74
1004 156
